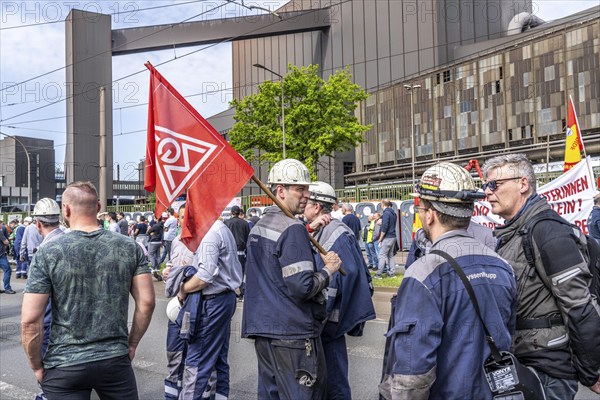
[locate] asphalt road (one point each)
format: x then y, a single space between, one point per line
17 382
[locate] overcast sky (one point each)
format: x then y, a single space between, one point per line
37 47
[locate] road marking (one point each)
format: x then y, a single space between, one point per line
366 352
141 364
14 392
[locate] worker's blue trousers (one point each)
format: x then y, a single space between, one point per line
208 348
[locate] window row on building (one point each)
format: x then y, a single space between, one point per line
512 97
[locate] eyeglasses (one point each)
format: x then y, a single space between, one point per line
493 184
421 209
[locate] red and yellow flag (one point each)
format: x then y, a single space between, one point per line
573 143
417 221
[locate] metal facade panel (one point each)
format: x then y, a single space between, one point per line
358 29
247 68
307 50
336 46
396 40
411 43
452 17
283 53
383 41
290 49
467 22
298 49
326 52
261 59
480 21
370 27
347 35
427 40
316 47
494 18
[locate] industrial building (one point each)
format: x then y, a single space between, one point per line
489 77
18 178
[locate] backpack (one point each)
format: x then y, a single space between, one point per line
587 244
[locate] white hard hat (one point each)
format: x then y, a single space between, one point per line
46 210
321 191
450 189
173 308
289 172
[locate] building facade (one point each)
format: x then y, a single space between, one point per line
511 97
482 91
14 169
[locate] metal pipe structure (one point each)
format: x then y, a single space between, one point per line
411 89
282 104
28 171
102 155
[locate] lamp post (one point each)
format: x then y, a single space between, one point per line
411 89
28 171
282 105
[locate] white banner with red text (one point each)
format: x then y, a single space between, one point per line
570 195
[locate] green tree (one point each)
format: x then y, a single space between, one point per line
151 198
319 118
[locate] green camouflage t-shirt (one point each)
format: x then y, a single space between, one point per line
88 277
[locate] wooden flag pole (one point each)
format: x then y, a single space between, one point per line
289 214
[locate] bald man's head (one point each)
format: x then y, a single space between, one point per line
82 198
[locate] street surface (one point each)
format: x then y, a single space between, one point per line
17 382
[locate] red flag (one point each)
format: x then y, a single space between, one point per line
573 142
184 151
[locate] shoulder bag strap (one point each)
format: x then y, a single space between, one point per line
488 337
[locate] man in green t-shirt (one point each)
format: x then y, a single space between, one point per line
89 274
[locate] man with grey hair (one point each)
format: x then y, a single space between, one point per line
351 220
558 321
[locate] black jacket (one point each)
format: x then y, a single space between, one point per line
557 289
240 230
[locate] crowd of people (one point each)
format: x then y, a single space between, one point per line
306 285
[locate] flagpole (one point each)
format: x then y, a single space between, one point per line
289 214
580 135
578 126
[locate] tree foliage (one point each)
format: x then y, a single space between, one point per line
319 117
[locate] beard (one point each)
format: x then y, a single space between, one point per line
427 233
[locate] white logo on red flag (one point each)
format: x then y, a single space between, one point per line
179 159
